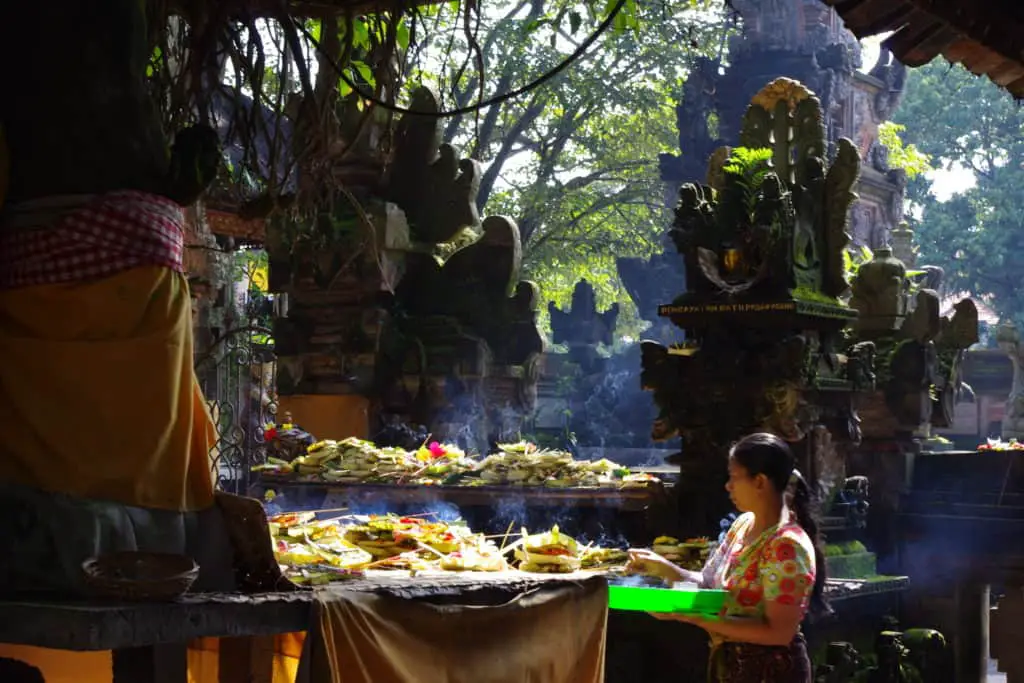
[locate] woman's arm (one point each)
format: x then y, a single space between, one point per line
779 627
651 564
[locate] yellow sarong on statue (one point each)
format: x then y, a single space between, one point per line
99 393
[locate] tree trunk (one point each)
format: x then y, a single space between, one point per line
78 116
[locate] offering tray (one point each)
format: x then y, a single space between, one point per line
638 595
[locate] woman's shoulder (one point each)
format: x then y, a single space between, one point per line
793 534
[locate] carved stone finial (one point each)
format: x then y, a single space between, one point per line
436 190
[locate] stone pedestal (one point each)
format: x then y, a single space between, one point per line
971 642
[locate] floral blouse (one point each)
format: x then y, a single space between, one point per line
778 565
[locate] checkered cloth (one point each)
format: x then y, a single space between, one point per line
113 233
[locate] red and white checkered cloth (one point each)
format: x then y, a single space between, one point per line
115 232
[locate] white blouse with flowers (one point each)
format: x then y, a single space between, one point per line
776 566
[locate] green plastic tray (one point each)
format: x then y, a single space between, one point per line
644 599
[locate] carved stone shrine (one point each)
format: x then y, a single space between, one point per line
806 41
763 245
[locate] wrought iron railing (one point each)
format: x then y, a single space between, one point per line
237 373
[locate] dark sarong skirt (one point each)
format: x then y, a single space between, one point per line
745 663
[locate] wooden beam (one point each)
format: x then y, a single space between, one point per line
1000 32
907 43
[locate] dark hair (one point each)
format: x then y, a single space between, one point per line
767 454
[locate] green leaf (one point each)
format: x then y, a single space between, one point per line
402 35
364 71
360 33
313 26
344 89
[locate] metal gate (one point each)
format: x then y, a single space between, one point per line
237 371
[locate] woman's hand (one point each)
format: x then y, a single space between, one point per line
651 564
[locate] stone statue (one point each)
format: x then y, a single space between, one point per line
860 366
878 293
1009 340
923 324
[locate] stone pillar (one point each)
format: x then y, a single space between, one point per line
971 643
1007 629
328 333
1008 337
902 242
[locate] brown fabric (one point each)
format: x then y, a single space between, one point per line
745 663
548 635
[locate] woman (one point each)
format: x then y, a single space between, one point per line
770 563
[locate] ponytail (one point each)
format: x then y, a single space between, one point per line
803 509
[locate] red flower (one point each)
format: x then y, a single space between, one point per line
785 599
270 433
436 450
785 551
787 585
751 573
748 597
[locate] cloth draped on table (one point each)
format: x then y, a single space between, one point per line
551 634
99 393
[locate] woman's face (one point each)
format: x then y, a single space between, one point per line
744 490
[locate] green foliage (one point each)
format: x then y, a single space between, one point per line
746 170
749 165
575 161
854 258
966 122
909 158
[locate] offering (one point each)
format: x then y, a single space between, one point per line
357 461
548 553
689 554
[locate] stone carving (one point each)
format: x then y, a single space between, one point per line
1009 340
879 293
470 326
436 190
923 350
582 328
860 366
893 75
692 119
763 253
795 237
923 324
375 310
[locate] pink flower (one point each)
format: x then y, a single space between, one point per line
436 450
